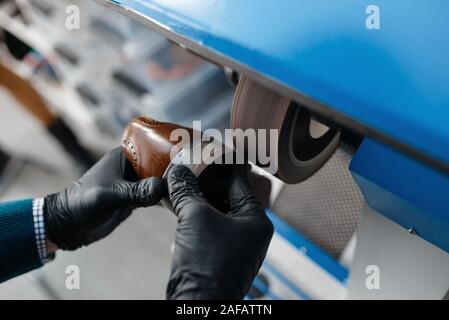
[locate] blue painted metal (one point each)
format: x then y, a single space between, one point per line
285 281
404 190
329 264
394 80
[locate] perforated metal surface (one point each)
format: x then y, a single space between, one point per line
326 207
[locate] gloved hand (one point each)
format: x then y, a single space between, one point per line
98 202
216 255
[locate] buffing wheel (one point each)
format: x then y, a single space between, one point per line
301 149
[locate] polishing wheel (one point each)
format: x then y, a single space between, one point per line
303 145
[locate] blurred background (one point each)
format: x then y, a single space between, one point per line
65 97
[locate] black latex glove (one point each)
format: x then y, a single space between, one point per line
216 255
94 206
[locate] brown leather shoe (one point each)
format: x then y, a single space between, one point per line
146 143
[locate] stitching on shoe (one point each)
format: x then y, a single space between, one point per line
133 151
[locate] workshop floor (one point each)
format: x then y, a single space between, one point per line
132 263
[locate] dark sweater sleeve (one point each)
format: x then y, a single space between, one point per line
18 249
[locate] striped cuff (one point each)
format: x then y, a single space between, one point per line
39 230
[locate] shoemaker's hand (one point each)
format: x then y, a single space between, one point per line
216 255
98 202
